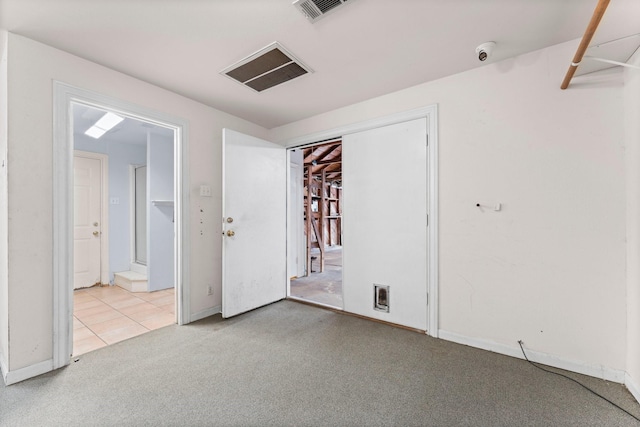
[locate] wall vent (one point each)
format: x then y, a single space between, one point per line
381 298
266 68
314 10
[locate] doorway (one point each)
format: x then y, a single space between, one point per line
136 295
390 206
63 251
140 215
316 223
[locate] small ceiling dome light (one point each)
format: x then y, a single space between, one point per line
484 50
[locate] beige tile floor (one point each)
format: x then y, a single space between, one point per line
104 315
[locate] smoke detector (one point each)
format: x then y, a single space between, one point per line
314 10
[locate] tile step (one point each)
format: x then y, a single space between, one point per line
131 281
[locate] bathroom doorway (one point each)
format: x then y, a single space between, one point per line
137 293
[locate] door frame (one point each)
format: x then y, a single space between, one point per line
132 213
104 209
64 96
430 113
294 232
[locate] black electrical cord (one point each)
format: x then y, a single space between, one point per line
575 381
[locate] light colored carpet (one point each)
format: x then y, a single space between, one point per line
289 364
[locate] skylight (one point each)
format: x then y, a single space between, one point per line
102 126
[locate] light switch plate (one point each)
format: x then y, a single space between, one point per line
205 191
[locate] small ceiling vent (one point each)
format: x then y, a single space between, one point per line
314 10
266 68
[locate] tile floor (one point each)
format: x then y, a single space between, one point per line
104 315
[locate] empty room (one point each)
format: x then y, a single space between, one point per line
320 212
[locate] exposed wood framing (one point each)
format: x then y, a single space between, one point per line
308 217
323 177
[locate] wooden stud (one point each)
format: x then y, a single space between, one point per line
308 220
322 208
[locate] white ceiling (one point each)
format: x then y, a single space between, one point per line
366 49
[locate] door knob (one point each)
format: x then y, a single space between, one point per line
231 233
96 233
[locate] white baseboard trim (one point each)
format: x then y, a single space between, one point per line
3 368
632 386
206 313
579 367
27 372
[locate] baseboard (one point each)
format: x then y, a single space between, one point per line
632 386
206 313
27 372
3 368
579 367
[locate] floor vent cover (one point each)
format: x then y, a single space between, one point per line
266 68
313 10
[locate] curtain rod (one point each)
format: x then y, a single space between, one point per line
586 40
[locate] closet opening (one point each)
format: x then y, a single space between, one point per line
315 226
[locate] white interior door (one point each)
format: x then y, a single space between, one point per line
87 216
254 255
385 222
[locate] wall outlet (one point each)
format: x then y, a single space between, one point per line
209 290
205 191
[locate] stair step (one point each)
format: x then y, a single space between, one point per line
131 281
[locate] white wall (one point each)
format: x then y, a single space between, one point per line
550 267
32 68
121 155
160 230
384 222
4 232
632 140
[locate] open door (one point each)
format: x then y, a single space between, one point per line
254 210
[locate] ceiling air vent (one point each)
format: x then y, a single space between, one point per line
317 9
266 68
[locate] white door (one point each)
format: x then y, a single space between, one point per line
87 186
385 222
254 255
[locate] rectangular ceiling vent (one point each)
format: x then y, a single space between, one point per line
314 10
266 68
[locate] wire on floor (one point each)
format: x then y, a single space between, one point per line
575 381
